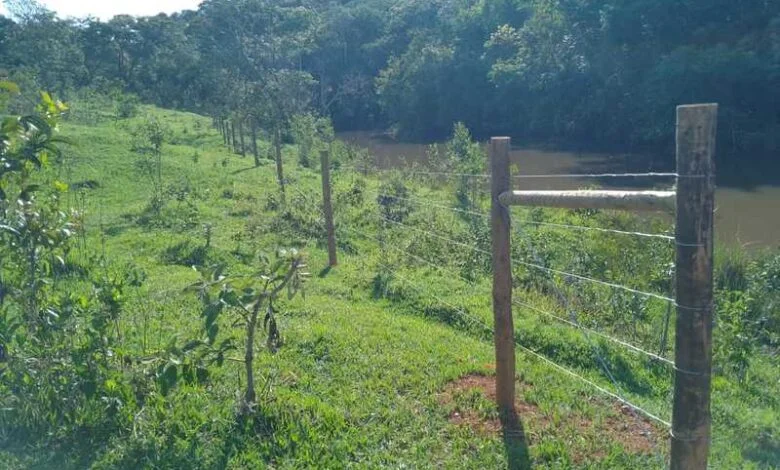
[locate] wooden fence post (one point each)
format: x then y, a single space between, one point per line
278 158
241 137
691 419
504 332
328 207
233 135
254 142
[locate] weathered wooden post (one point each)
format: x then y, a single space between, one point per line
241 137
504 331
233 135
328 207
691 419
278 158
254 142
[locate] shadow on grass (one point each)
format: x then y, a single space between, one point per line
243 170
243 433
325 271
515 443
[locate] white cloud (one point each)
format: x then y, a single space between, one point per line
105 9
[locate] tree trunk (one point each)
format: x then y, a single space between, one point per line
249 358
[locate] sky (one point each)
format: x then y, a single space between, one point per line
105 9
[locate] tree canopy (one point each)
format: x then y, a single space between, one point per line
597 73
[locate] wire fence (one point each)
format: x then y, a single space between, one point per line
482 324
536 263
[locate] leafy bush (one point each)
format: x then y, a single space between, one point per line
59 365
312 134
394 199
245 298
127 106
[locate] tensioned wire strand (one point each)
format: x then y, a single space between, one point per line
540 224
479 322
537 266
529 176
444 270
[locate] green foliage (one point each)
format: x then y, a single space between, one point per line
312 134
394 200
466 157
59 365
358 380
245 298
601 74
127 106
148 140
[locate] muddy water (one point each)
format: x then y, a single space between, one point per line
747 217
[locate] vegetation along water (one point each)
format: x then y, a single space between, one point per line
166 296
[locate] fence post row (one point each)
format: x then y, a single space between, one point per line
328 207
694 204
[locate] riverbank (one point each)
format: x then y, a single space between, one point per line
747 214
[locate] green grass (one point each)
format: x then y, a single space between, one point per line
359 380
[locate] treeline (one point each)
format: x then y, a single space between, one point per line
599 73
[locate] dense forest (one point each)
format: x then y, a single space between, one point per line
604 74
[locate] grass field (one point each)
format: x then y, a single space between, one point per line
378 367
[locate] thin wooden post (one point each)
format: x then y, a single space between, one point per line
691 419
504 331
241 137
328 207
233 134
279 168
254 143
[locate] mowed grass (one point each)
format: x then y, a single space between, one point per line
363 377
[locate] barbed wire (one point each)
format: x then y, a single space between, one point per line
441 205
475 320
524 176
537 266
444 270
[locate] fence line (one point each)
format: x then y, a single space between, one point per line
529 176
539 267
618 341
475 320
571 323
438 205
691 198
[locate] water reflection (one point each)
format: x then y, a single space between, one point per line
748 212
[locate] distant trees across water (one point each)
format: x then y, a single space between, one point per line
605 74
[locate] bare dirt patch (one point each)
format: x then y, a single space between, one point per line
475 419
634 432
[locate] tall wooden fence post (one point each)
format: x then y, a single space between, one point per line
504 332
328 207
233 136
278 158
241 137
691 419
254 142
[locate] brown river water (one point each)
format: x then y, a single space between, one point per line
746 217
